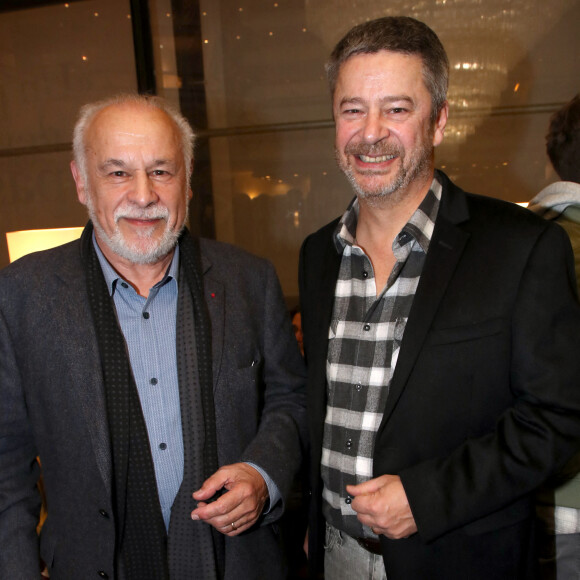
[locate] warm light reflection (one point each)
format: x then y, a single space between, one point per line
485 40
296 219
252 186
28 241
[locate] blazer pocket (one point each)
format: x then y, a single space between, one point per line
251 365
466 332
245 374
514 513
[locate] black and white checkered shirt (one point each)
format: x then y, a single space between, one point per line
364 339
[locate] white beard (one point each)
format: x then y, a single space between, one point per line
146 250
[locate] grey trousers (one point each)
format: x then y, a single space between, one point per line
561 560
345 559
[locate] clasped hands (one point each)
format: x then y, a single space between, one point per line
381 504
239 508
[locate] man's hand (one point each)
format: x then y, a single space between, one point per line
241 505
381 504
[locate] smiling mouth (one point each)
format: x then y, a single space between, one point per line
379 159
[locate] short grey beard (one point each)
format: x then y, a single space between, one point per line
419 164
400 183
153 251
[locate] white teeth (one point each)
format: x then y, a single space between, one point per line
381 159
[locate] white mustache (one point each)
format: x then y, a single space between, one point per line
153 213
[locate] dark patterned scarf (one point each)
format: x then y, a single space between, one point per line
140 531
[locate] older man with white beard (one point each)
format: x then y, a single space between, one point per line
154 374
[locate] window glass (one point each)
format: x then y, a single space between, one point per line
269 118
53 59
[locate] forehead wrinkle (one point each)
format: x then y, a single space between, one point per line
131 134
386 100
353 100
121 163
112 162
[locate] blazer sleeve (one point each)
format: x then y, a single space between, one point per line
19 472
278 444
539 431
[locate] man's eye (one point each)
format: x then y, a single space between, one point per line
118 174
159 172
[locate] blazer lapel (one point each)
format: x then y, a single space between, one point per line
444 253
86 386
321 300
215 299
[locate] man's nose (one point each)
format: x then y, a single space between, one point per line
143 190
375 127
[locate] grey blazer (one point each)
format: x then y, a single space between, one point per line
52 406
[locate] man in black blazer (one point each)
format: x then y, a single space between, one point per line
155 375
441 339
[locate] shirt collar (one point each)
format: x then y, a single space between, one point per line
420 225
111 276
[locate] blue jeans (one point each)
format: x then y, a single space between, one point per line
345 559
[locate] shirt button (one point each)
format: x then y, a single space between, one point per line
367 327
163 446
365 274
146 315
102 574
124 284
348 443
358 388
348 500
103 513
153 381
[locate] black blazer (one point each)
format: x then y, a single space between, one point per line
485 401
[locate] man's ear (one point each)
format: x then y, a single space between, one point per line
79 182
440 123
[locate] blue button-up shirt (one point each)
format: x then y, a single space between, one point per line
149 327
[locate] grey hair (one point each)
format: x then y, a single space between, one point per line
89 111
396 34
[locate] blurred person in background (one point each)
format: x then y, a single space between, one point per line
559 503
